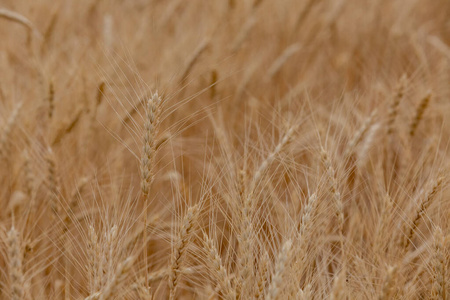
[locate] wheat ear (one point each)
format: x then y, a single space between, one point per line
338 289
388 283
439 266
421 211
7 131
282 59
119 277
262 276
393 109
51 99
180 247
243 33
93 257
194 58
245 245
15 265
270 158
280 266
379 241
419 113
52 182
219 269
151 125
305 294
331 174
359 135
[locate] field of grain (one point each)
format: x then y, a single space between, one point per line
235 149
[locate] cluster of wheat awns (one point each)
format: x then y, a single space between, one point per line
224 149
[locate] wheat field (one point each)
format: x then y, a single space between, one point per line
239 149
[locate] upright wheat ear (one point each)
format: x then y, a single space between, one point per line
51 99
52 183
282 59
194 58
331 174
180 247
243 33
388 283
338 290
393 110
270 158
152 114
263 269
119 277
421 211
220 271
439 266
15 265
359 135
4 139
280 266
94 254
245 255
419 113
382 229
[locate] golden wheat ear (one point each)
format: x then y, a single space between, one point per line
180 247
16 277
219 270
419 113
439 288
